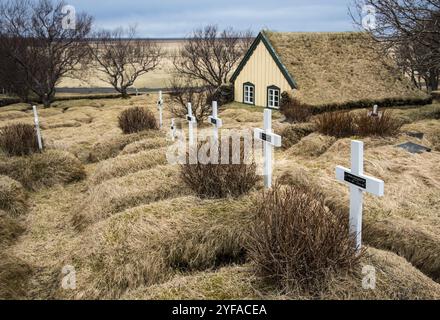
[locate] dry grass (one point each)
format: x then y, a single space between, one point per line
396 280
13 198
312 145
43 169
110 148
14 277
292 134
340 67
10 229
118 194
127 164
145 145
148 244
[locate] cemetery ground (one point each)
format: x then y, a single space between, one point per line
110 206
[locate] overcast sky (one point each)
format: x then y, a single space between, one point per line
176 18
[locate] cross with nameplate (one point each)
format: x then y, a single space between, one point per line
191 121
358 183
37 128
215 120
270 140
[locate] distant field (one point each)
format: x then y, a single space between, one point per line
158 78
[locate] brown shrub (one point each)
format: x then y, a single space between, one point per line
220 180
18 139
297 242
136 119
386 125
337 124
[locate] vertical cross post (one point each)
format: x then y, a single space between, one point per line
191 120
356 197
160 107
215 121
267 149
37 128
173 130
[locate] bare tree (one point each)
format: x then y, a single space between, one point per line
43 50
410 29
121 58
182 92
209 56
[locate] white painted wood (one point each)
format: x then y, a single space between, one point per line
215 120
37 128
358 183
160 108
275 141
191 121
173 130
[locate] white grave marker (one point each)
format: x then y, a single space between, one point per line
270 140
173 130
160 107
358 183
215 120
191 121
37 128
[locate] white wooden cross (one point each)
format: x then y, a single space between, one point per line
160 107
215 120
37 128
173 130
191 121
358 183
270 140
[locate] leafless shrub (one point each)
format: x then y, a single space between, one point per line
384 125
337 124
136 119
18 139
220 180
184 91
297 241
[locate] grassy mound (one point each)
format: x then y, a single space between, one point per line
13 197
408 239
127 164
43 169
396 279
148 244
110 148
294 133
145 145
14 277
9 229
228 283
116 195
312 145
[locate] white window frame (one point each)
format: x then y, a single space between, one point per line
273 97
249 94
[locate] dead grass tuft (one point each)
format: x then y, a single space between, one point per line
10 229
43 169
18 139
145 145
13 198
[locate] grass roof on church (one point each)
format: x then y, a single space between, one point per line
338 68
